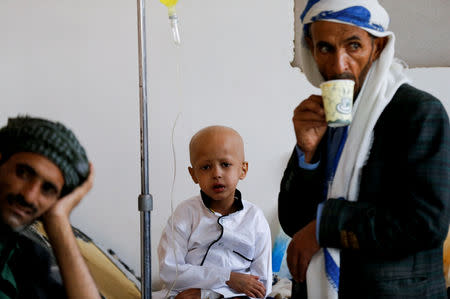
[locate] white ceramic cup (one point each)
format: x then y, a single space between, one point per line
338 101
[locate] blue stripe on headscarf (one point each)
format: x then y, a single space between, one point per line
307 8
357 15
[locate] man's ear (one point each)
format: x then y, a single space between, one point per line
380 44
192 173
244 170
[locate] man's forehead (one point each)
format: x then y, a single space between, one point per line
337 32
322 27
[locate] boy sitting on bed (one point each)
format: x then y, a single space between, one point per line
216 244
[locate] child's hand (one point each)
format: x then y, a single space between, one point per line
247 284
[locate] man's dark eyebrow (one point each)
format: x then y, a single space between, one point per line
323 44
354 37
27 167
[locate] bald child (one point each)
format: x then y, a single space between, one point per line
216 243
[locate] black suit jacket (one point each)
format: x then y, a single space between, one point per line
31 265
391 237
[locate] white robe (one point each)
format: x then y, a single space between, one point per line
195 227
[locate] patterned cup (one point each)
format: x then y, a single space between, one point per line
338 101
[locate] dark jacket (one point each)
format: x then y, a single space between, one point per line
31 267
399 222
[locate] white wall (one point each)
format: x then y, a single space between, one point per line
76 61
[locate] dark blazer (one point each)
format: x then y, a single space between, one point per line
31 265
391 238
33 273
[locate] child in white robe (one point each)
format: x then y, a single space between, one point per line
216 244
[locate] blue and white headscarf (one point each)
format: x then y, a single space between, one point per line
368 15
382 81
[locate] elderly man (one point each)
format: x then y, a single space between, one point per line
44 173
367 205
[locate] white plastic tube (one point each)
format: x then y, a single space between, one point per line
173 19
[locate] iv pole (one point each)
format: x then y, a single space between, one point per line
145 200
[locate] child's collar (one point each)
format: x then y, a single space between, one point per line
237 204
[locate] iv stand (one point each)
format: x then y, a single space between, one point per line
145 200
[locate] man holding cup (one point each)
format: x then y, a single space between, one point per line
367 204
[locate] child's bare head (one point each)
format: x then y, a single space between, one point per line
217 161
216 137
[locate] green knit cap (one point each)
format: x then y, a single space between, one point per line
50 139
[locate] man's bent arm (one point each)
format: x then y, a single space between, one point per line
77 279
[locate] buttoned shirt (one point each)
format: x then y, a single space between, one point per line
202 247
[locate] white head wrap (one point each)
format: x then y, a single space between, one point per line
382 81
